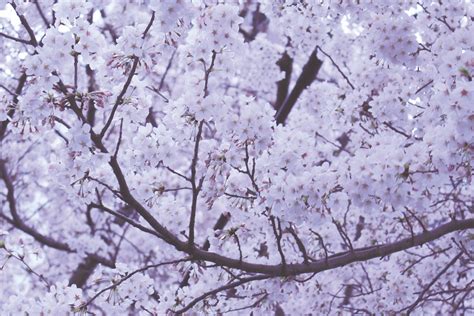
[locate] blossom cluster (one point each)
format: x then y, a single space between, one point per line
211 157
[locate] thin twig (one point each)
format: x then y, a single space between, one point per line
148 27
126 277
219 289
26 25
16 39
424 86
41 13
208 72
337 67
119 99
195 186
410 308
278 235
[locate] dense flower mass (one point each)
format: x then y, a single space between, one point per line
225 157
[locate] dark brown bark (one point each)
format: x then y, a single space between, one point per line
286 65
82 273
308 75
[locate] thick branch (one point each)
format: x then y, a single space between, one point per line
332 262
286 65
83 271
308 75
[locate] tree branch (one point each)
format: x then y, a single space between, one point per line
337 67
410 308
27 26
119 99
11 112
217 290
17 222
286 65
308 75
16 39
195 186
126 277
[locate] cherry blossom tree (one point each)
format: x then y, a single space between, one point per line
284 157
